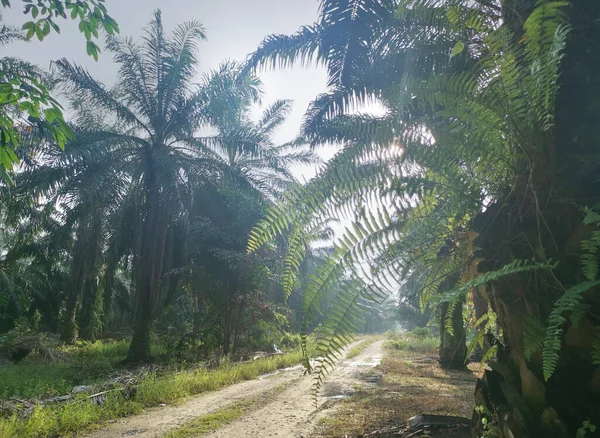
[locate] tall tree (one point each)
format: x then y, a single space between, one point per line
480 165
158 111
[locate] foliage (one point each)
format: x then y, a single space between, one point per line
422 200
421 341
572 299
82 414
422 332
25 100
91 14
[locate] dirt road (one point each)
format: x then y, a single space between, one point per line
290 413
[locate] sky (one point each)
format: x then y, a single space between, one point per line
234 28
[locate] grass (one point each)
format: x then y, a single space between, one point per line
82 414
84 364
360 347
427 344
411 383
210 422
222 417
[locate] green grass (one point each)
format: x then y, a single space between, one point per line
84 364
213 421
411 342
152 391
358 348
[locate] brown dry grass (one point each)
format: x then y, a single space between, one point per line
411 383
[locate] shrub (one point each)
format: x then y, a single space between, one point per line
290 340
422 332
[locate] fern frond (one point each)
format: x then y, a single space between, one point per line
515 267
570 301
533 337
590 246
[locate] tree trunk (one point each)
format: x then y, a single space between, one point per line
453 349
227 328
149 269
542 219
69 325
139 349
69 330
87 319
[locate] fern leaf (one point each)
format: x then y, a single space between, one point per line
570 301
533 337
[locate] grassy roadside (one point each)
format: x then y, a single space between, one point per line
411 383
222 417
86 363
82 414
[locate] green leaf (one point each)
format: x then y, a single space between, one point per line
46 28
38 31
93 50
458 48
54 26
30 28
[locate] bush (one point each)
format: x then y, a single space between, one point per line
291 340
422 332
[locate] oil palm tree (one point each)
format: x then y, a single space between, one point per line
155 150
476 191
258 171
246 147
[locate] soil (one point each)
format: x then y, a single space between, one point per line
291 413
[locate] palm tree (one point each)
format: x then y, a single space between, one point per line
155 152
258 171
476 192
368 47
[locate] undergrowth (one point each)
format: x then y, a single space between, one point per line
417 340
82 414
84 364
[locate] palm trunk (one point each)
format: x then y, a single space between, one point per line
86 319
69 330
139 349
148 272
227 328
108 295
69 325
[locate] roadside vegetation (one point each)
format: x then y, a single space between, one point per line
89 410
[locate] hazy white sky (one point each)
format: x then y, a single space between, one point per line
234 29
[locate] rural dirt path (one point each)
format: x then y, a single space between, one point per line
290 413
